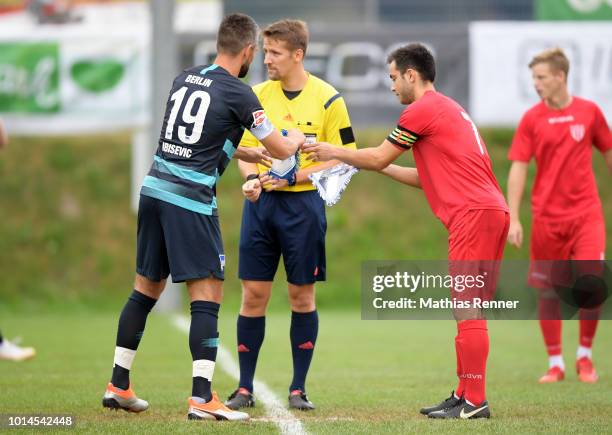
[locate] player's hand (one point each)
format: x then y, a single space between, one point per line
515 233
296 136
252 189
270 183
257 155
319 152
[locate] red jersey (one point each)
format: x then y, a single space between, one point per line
451 158
561 142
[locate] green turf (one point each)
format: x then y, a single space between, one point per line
367 376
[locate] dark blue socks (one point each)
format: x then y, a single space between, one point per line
250 334
303 333
129 333
203 343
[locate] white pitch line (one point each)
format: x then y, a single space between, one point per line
285 420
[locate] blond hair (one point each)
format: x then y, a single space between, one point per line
554 57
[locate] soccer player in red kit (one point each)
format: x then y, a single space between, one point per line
568 221
454 170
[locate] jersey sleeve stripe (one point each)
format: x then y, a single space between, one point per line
331 100
228 148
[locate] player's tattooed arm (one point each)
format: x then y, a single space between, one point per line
409 176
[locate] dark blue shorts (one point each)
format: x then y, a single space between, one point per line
173 240
289 223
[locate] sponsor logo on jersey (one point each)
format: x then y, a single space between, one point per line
560 119
577 131
259 117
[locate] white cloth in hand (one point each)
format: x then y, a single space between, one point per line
330 183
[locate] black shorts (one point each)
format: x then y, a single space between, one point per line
289 223
176 241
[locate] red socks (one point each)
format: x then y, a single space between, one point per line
461 386
550 322
473 344
588 325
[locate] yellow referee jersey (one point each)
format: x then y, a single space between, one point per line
318 111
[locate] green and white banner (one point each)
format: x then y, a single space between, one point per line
29 77
572 10
74 83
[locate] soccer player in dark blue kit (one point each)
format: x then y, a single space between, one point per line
178 227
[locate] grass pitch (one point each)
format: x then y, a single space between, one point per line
366 377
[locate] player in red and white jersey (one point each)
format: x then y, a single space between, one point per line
454 170
559 133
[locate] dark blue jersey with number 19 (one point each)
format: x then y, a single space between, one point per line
206 114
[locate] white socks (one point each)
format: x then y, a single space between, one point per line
556 361
204 368
124 357
584 352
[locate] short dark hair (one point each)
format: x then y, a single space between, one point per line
414 56
236 31
294 33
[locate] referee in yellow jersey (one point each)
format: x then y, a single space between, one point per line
284 215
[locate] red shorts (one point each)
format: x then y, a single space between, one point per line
475 248
581 238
